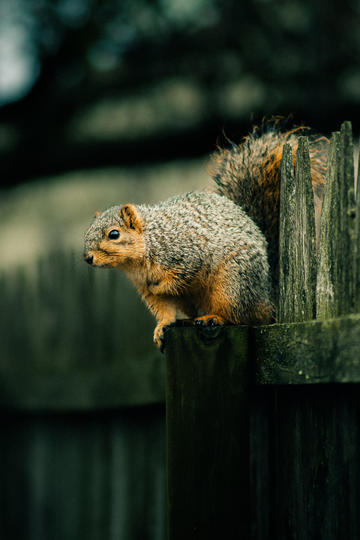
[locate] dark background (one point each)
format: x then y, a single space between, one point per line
92 83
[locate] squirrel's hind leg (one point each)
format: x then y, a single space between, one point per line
223 301
239 293
216 304
192 308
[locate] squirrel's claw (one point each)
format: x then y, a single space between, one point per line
159 335
209 320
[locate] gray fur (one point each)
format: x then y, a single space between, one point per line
96 230
199 231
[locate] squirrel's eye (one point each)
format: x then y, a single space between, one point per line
113 235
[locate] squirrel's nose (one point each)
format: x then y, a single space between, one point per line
89 259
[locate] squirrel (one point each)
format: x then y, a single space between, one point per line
210 255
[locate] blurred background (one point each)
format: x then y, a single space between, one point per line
99 96
103 102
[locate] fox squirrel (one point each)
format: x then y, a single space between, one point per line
206 253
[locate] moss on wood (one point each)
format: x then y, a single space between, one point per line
308 353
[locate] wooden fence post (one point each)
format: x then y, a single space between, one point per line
287 218
297 238
336 281
207 433
326 280
357 242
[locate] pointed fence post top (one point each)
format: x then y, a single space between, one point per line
297 237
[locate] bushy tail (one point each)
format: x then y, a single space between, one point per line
249 175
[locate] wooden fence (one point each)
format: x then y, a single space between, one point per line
263 424
82 449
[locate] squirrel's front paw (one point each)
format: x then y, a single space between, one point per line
209 320
159 335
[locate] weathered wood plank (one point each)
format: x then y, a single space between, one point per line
297 237
83 476
304 238
70 340
337 274
207 433
326 287
308 353
262 466
306 468
347 224
357 243
287 220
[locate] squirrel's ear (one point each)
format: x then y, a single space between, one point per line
131 217
97 214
